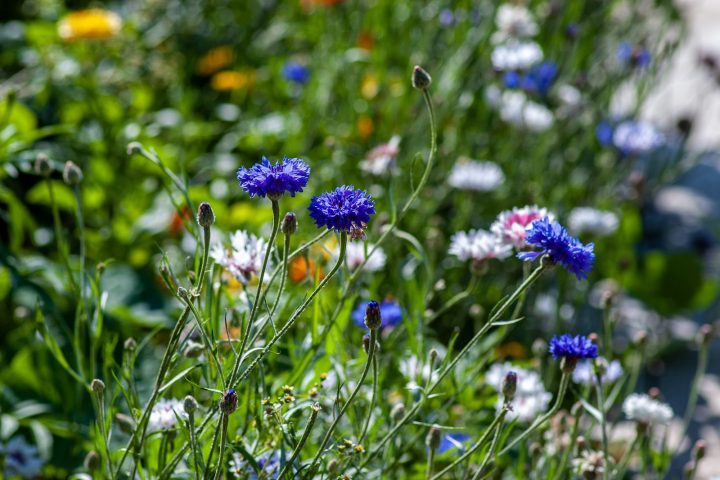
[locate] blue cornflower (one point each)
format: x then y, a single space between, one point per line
513 79
573 348
604 133
268 462
265 179
296 73
562 248
343 210
451 441
390 312
540 78
635 56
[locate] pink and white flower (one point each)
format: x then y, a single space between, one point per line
511 225
381 159
478 245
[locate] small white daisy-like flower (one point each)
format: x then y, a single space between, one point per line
585 373
634 138
531 399
645 409
355 255
517 109
469 174
21 459
381 159
516 55
165 413
244 259
511 225
478 245
513 21
593 221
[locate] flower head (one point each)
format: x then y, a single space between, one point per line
516 55
636 138
585 373
513 21
244 259
21 459
390 312
633 56
469 174
228 80
92 24
593 221
296 73
478 245
265 179
511 225
355 256
517 109
344 209
645 409
560 247
567 346
165 413
380 160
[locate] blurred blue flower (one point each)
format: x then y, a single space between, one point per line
269 463
265 179
572 30
390 312
344 209
447 17
452 441
540 78
513 79
21 459
635 56
635 138
604 133
296 73
562 248
578 347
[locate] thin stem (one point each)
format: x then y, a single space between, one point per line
694 391
603 424
625 460
209 345
373 399
430 461
566 452
457 298
256 303
493 446
223 420
315 409
194 444
333 425
223 441
59 237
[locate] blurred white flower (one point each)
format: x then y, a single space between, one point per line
517 109
634 138
511 225
478 245
244 259
21 459
531 398
593 221
516 55
165 413
469 174
585 373
355 255
513 21
381 159
411 368
645 409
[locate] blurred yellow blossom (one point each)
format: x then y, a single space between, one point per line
365 126
215 59
89 24
233 80
369 87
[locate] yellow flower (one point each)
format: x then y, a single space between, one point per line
369 86
215 59
232 80
89 24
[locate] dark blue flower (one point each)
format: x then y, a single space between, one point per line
562 248
540 78
296 73
604 133
635 56
390 312
574 348
513 80
265 179
343 210
452 441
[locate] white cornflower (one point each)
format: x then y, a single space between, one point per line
511 225
531 399
478 245
515 55
469 174
593 221
165 413
645 409
381 159
355 255
21 459
517 109
513 21
245 257
585 373
634 138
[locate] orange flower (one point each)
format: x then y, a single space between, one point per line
93 24
176 222
215 59
232 80
365 126
324 3
300 269
365 41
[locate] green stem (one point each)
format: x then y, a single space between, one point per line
373 399
194 444
298 448
334 424
430 461
223 441
457 298
603 424
694 391
566 452
59 237
493 446
209 344
223 420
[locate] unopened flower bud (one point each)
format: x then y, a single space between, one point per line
366 343
92 461
699 450
433 438
130 344
509 386
397 412
580 443
420 78
705 334
42 165
601 366
229 402
72 175
205 215
193 349
183 293
134 148
373 319
190 404
125 423
433 355
535 450
289 224
97 386
593 337
654 393
332 466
